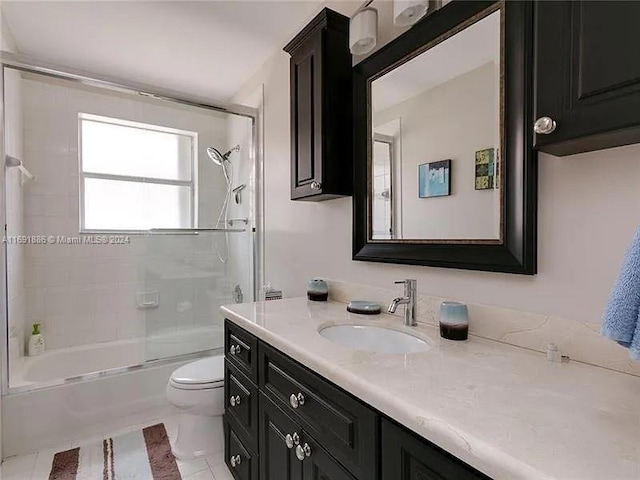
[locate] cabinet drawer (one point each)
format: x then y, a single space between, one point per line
344 426
241 349
241 397
242 462
408 457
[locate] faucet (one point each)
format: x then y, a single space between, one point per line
409 302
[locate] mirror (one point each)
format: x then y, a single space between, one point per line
445 169
436 141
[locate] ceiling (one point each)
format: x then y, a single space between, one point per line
205 48
471 48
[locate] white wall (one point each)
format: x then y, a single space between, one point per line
448 122
84 294
589 207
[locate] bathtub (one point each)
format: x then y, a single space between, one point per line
67 394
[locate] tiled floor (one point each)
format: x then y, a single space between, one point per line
36 466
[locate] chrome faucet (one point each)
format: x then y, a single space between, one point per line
409 302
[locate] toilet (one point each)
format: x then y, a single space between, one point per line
197 389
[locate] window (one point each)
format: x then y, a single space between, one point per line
134 176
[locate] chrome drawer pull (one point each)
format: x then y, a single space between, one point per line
292 440
296 400
235 461
303 452
235 349
234 400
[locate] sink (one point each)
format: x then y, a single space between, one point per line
374 339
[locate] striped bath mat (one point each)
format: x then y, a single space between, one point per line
140 455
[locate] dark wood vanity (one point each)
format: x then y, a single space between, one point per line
284 422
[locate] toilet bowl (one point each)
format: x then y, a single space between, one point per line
197 389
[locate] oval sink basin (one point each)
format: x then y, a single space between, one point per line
374 339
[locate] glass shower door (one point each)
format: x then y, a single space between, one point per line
185 283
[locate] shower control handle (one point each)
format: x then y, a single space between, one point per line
316 185
296 400
235 349
234 400
235 460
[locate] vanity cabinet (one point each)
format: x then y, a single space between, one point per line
320 79
407 457
295 425
587 75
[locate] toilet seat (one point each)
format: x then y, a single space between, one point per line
199 375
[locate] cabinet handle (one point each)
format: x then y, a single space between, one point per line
234 400
303 452
292 440
235 349
544 125
316 185
235 460
296 400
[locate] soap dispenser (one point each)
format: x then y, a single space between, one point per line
36 341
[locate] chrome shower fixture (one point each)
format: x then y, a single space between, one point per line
219 158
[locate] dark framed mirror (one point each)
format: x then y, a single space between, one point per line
445 173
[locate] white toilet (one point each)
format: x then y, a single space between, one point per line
197 389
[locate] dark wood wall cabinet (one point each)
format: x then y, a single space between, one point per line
284 422
321 165
587 75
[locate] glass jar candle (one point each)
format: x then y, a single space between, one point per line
454 321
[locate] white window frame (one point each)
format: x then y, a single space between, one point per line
192 183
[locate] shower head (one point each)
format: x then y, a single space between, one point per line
219 158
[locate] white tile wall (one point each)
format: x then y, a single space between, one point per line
85 294
15 206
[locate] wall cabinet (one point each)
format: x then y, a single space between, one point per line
309 429
320 79
587 75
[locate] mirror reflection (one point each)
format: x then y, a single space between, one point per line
436 138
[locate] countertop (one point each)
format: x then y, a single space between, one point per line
504 410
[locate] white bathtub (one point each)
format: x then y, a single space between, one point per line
55 366
92 389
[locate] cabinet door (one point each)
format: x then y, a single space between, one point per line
588 74
319 465
306 119
277 460
406 457
240 460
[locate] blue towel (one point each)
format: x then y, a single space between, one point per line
622 316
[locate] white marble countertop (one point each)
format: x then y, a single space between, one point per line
502 409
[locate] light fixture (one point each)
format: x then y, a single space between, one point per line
408 12
363 31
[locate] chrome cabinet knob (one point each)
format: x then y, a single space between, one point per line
235 349
544 125
303 451
292 440
316 185
235 460
296 400
234 400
